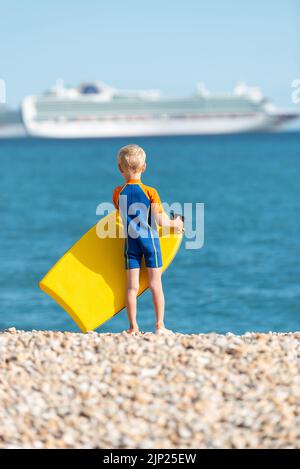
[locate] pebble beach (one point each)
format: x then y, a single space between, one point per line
73 390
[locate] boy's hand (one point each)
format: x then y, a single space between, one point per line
162 219
178 225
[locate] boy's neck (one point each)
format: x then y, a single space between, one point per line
133 177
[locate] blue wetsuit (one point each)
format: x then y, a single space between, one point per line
137 203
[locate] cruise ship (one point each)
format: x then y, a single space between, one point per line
96 110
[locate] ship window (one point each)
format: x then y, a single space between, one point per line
89 89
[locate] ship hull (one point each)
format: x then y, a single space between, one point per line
155 127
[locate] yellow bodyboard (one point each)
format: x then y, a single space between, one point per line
89 280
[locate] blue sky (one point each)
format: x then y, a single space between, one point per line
166 45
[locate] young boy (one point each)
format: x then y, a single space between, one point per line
136 200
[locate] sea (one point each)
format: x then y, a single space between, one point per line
245 277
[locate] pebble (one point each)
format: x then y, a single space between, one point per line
73 390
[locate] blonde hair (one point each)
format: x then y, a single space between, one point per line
131 158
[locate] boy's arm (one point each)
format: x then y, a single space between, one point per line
161 217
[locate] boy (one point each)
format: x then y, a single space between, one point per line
135 201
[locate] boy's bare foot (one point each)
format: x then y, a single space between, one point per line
132 331
163 331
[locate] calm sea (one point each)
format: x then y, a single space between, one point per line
245 278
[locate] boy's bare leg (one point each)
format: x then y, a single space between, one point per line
133 280
155 285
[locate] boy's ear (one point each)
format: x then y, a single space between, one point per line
120 169
144 168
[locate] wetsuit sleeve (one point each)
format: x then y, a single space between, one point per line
115 197
155 201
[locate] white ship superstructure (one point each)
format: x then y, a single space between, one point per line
96 110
